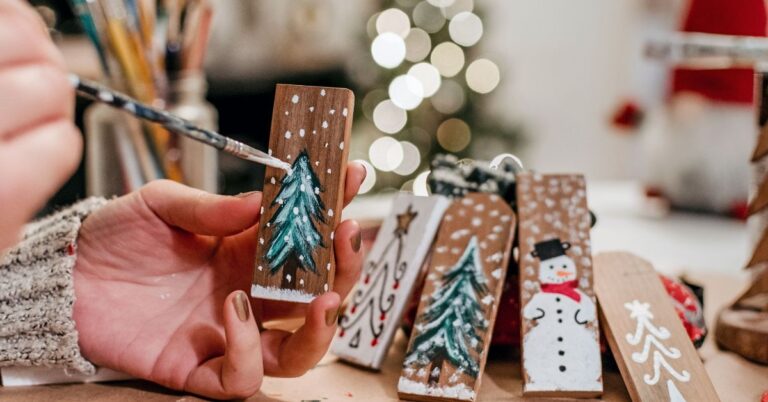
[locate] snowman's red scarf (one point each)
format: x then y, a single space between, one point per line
565 288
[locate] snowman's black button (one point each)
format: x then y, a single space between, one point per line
562 368
559 338
557 299
561 352
560 320
559 311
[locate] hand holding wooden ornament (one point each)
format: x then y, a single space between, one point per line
301 208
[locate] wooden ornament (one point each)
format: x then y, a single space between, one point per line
655 355
559 331
390 271
449 344
301 209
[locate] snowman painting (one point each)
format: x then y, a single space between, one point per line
561 350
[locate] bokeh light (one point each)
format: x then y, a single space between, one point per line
386 154
429 77
417 45
411 159
406 92
465 28
482 76
449 98
428 17
388 50
448 58
389 118
371 100
370 177
458 6
420 186
441 3
453 135
393 20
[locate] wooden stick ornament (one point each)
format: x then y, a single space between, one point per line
294 253
559 332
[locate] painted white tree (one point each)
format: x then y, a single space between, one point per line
651 336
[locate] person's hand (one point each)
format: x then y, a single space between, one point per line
40 146
159 284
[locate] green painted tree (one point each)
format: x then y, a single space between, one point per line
449 327
294 234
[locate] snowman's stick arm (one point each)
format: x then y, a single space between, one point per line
702 50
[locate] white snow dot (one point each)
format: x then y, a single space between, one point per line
295 99
328 266
309 177
477 222
326 145
301 258
317 163
322 92
345 112
261 240
325 287
295 210
304 218
272 180
332 235
314 131
262 210
341 146
317 190
302 188
330 212
269 224
280 202
311 108
301 133
270 151
288 157
286 113
496 273
261 268
332 111
301 282
325 123
288 278
328 171
286 238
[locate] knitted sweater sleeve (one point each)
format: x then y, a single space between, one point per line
37 293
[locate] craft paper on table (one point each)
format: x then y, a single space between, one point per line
390 272
301 209
449 344
559 332
652 349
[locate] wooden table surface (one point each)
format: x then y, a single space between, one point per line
734 378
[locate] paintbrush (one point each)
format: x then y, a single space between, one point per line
175 124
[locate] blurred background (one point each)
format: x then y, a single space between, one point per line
563 85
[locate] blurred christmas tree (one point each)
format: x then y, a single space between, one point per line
424 92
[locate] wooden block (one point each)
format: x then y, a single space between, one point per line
294 254
449 344
657 359
559 331
390 272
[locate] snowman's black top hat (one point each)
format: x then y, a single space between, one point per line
552 248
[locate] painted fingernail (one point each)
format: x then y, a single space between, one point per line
246 195
331 316
242 307
356 240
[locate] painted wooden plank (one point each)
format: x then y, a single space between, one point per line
390 272
294 253
655 355
559 331
449 345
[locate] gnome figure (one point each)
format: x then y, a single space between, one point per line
560 312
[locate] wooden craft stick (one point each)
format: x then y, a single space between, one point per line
559 332
449 345
294 252
655 355
390 272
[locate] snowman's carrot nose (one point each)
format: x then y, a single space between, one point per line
562 273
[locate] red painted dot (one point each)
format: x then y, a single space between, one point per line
71 249
375 342
341 333
383 316
354 308
367 279
396 285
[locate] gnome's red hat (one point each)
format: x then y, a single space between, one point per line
743 18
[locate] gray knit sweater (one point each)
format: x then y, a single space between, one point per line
37 293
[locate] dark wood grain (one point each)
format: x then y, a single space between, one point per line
623 280
490 222
318 121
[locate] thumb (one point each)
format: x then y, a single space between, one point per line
239 373
199 212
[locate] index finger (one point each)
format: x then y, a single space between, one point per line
355 175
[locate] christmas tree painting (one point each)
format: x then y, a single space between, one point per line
449 327
294 235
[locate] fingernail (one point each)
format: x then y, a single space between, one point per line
242 307
246 195
356 240
331 316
